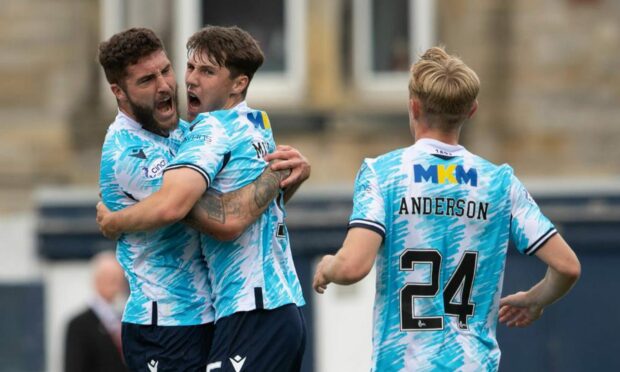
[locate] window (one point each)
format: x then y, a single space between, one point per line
279 27
388 36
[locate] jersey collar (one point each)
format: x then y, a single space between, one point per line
241 106
436 147
121 116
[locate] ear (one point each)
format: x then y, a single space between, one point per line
118 92
240 83
416 107
473 110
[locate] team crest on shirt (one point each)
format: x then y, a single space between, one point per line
155 168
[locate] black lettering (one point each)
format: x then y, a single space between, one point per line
257 149
471 207
415 205
260 148
450 207
427 205
403 207
439 202
482 212
460 203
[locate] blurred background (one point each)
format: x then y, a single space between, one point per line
335 86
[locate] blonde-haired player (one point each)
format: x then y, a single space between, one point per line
437 220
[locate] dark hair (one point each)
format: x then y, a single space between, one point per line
125 49
230 47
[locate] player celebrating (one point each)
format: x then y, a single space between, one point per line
170 305
255 287
438 218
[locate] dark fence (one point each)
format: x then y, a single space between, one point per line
580 333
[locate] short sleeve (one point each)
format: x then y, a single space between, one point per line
129 171
205 148
529 228
136 177
368 202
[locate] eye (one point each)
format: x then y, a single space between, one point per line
145 80
207 71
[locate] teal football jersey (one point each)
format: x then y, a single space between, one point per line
446 216
256 270
166 271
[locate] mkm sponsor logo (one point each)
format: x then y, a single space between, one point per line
453 173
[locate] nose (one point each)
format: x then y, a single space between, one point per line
190 78
163 85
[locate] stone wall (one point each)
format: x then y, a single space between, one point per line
44 70
550 91
548 104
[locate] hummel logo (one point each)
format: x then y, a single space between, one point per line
237 362
421 324
152 365
139 154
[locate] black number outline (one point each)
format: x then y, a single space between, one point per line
419 322
435 276
463 326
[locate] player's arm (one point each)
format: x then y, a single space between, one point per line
226 216
563 271
352 262
181 188
290 158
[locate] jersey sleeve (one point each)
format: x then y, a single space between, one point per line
138 180
125 178
205 148
529 228
368 203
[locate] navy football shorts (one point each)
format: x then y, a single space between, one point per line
149 348
259 341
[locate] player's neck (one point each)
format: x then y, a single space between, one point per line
128 112
233 101
450 138
446 134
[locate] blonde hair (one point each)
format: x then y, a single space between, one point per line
445 85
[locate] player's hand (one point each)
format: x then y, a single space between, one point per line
320 281
290 158
103 220
519 310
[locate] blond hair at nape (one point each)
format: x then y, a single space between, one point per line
444 84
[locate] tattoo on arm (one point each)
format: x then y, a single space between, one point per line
212 203
267 186
251 200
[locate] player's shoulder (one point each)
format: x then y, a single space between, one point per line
183 125
213 121
383 166
122 130
254 117
386 158
489 166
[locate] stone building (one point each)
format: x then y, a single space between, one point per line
548 105
335 86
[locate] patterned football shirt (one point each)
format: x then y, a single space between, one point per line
255 270
446 216
167 274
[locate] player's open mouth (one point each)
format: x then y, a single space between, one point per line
193 101
165 106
